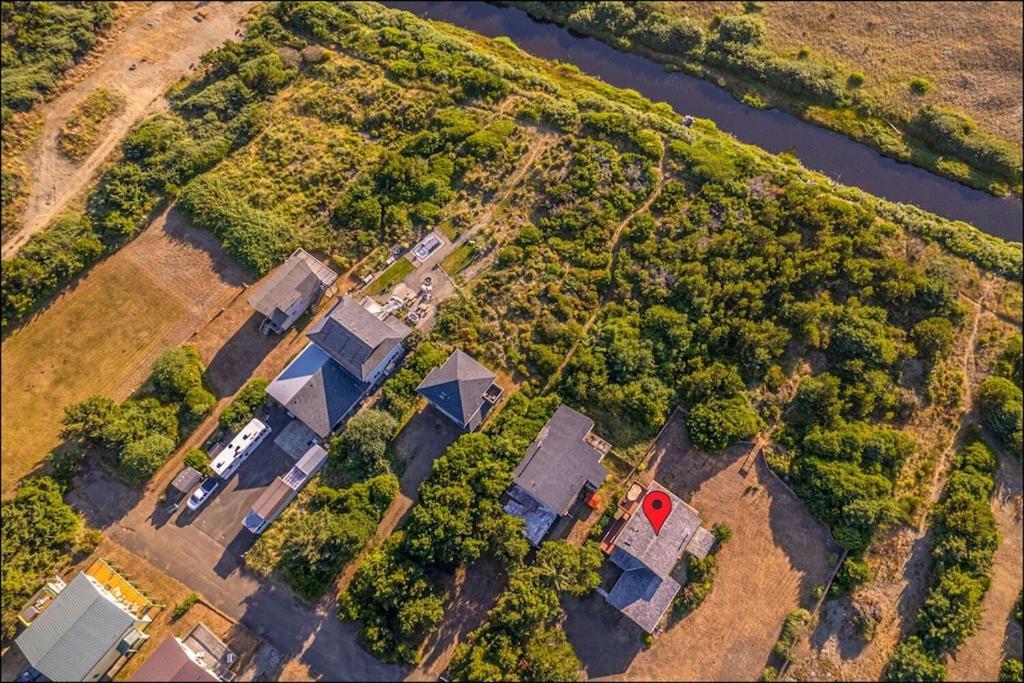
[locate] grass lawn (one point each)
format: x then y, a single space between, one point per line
93 340
398 270
458 259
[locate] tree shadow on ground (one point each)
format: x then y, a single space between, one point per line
605 640
100 497
179 230
237 358
470 596
312 635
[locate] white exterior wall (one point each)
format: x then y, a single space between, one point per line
378 372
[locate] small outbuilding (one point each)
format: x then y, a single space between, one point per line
183 483
294 286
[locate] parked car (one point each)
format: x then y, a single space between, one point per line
202 493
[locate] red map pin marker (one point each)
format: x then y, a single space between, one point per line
657 508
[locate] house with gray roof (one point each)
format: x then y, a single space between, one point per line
645 589
276 497
291 289
562 464
360 342
350 350
82 633
462 389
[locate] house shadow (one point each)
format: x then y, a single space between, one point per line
605 640
239 356
101 498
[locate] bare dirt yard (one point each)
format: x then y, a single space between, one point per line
1000 635
163 42
776 556
969 51
101 335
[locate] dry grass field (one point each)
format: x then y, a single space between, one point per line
101 336
969 51
769 567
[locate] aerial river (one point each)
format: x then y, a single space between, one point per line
835 155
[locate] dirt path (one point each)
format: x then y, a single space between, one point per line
615 242
901 560
164 41
999 636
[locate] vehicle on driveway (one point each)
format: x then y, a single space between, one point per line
202 493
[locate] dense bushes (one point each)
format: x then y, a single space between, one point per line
40 532
41 40
244 406
965 541
999 402
947 132
457 519
142 432
258 238
360 449
520 638
310 544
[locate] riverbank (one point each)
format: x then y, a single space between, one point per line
940 139
819 149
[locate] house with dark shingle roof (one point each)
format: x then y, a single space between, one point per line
291 289
85 630
357 340
462 389
562 464
645 589
350 351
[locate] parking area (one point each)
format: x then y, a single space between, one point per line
221 518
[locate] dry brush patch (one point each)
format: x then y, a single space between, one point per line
101 336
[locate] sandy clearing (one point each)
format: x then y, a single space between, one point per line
163 41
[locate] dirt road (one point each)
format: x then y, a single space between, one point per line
163 42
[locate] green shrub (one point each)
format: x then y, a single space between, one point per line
791 628
245 405
140 459
999 402
40 532
197 460
920 86
1011 671
855 79
911 661
184 606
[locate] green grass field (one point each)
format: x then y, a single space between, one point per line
398 270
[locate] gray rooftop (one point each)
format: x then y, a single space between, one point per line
355 338
81 625
458 386
638 546
560 461
316 390
302 276
537 516
274 499
643 596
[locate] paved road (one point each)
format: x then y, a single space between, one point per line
184 549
